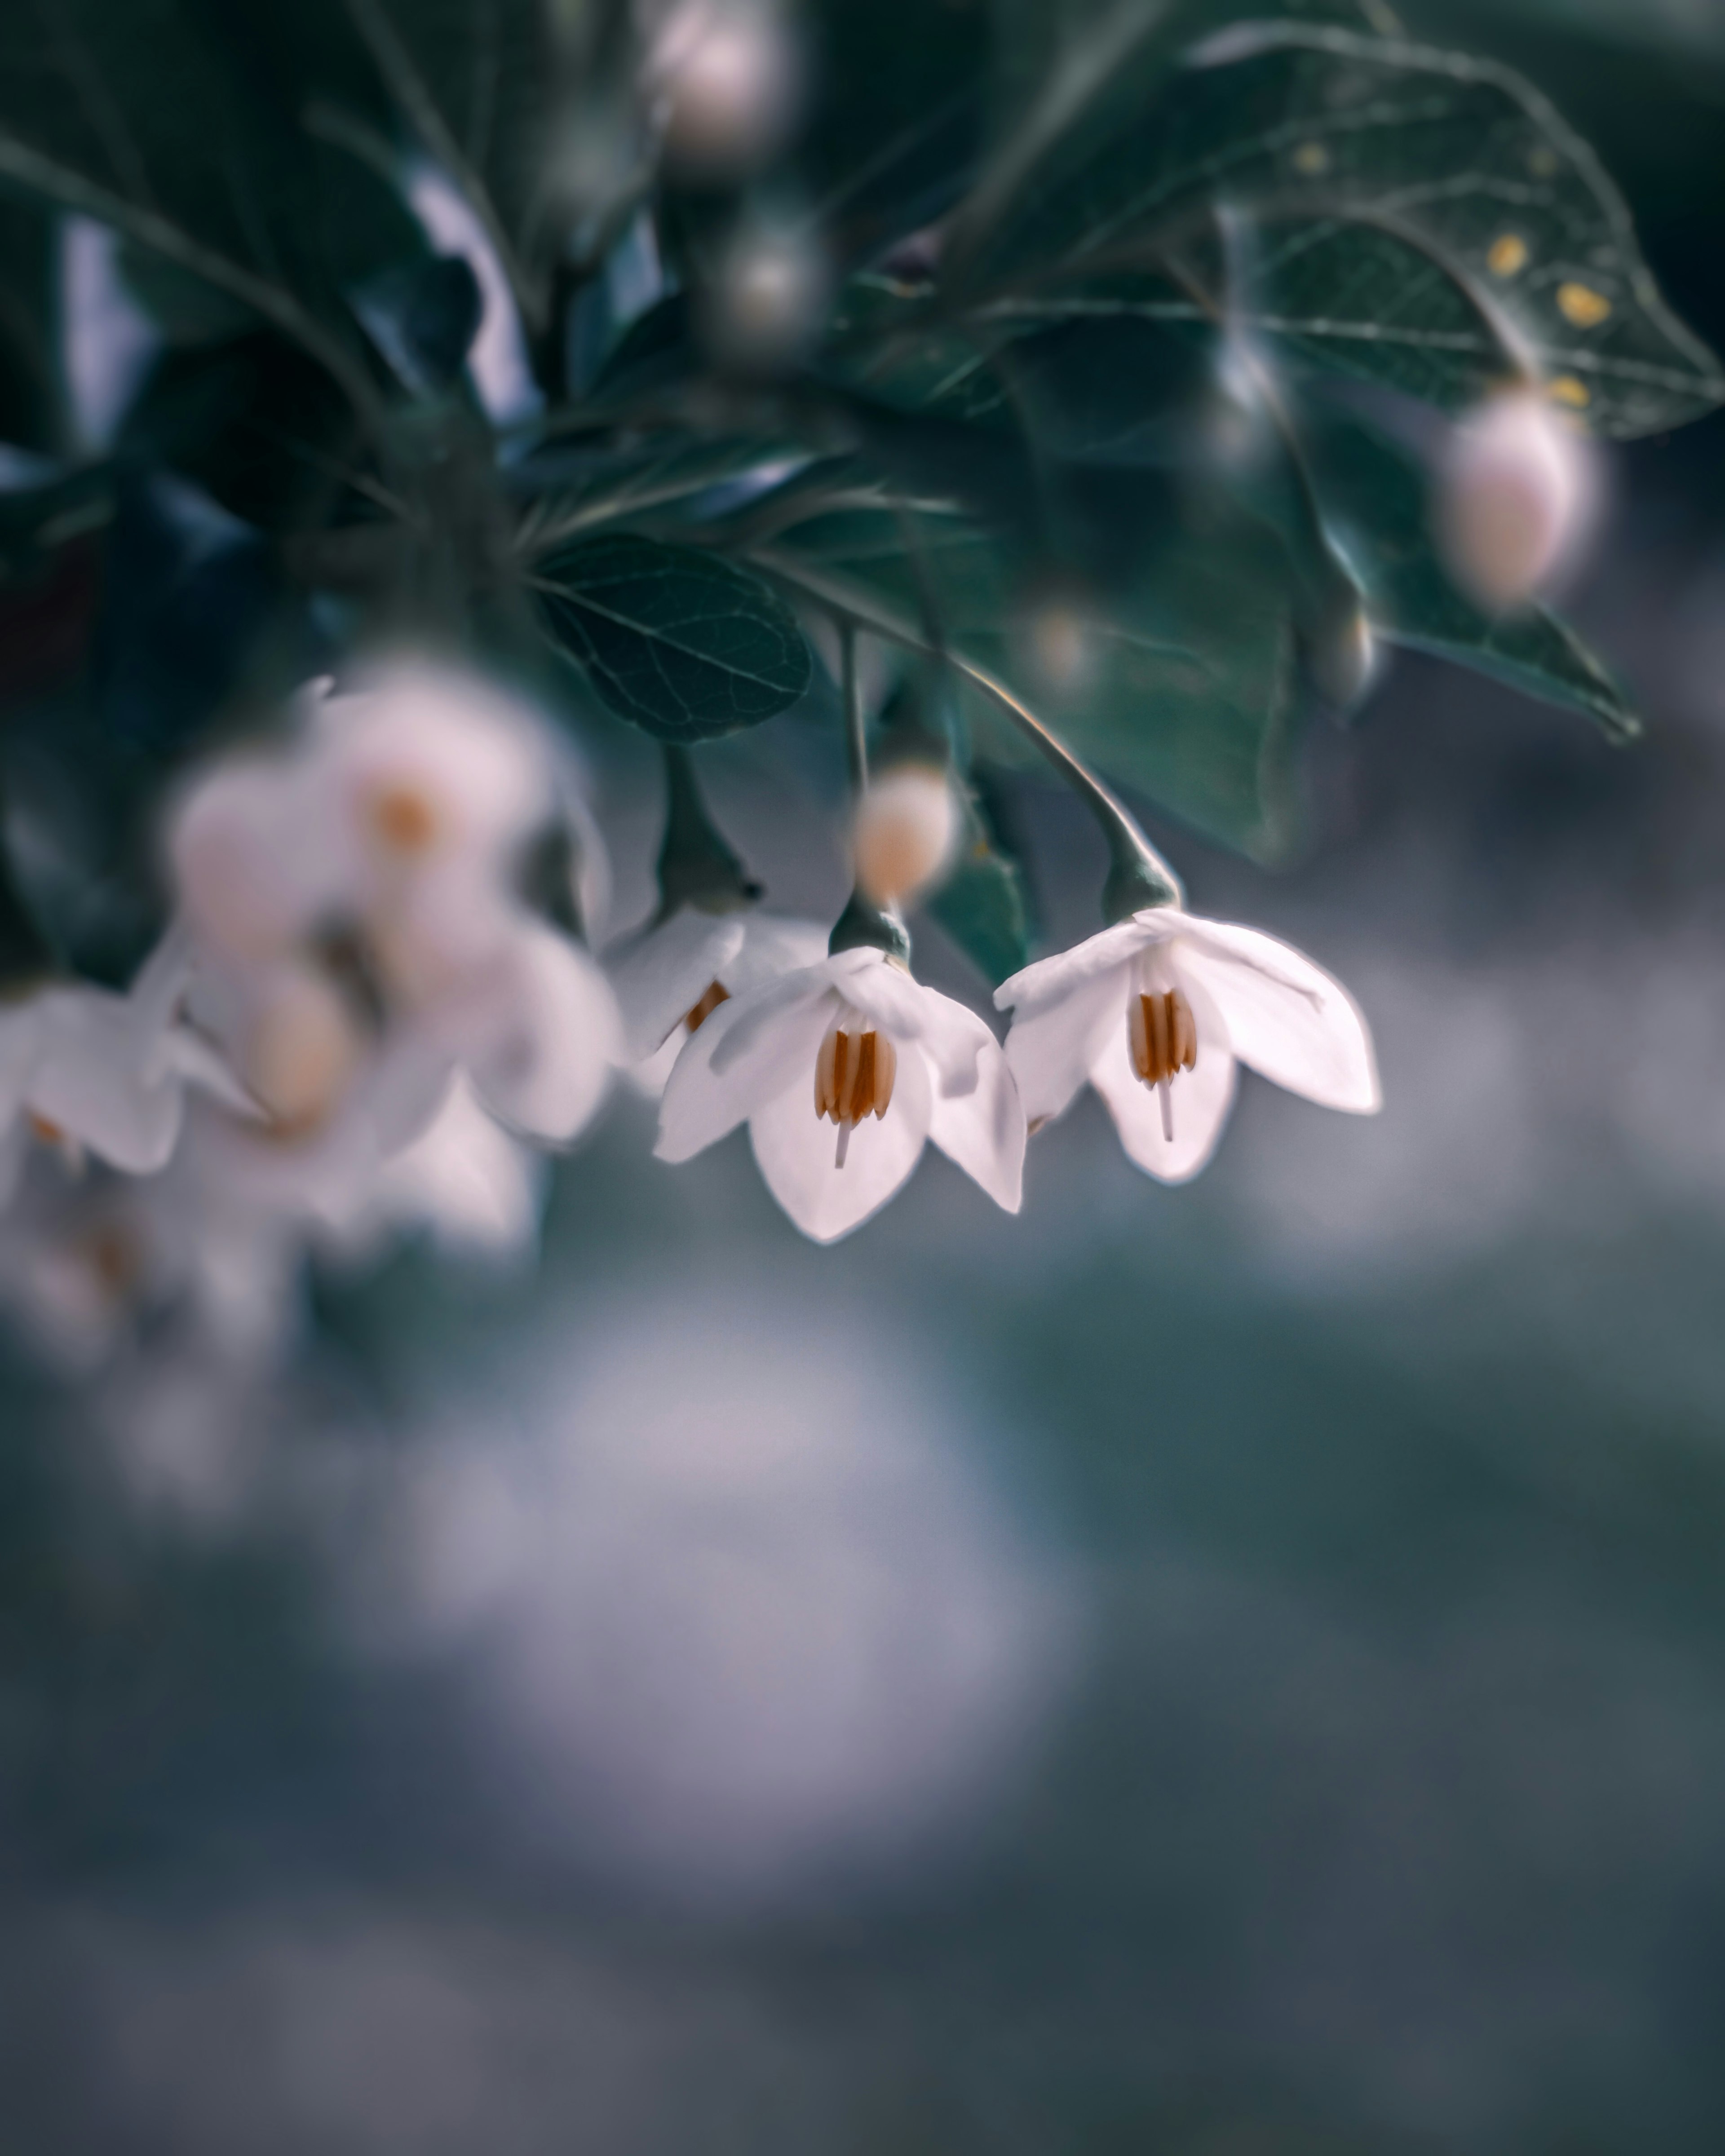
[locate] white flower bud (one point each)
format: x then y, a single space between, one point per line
732 87
764 307
301 1049
1513 500
907 827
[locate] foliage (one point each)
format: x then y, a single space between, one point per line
998 420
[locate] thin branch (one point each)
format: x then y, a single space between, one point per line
149 229
1139 876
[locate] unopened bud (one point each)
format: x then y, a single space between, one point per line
764 308
907 827
732 86
1513 500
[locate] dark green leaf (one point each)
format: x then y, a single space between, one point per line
679 642
982 905
1421 217
1159 643
883 162
32 416
1375 497
477 81
256 424
162 119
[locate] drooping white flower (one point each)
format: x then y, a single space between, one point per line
675 973
90 1070
1156 1011
842 1071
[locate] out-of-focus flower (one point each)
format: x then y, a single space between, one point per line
1156 1011
854 1041
84 1070
906 829
1514 499
364 892
671 977
464 1182
728 80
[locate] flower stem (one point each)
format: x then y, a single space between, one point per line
695 866
1138 875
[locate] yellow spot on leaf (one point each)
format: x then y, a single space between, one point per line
1569 389
1508 255
1584 306
1312 158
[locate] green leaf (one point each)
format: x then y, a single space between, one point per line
1159 643
679 642
31 406
1422 218
881 161
478 82
1374 498
256 423
982 905
162 119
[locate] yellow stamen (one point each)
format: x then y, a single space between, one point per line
853 1077
1162 1035
404 819
715 994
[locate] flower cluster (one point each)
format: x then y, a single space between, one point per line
379 1002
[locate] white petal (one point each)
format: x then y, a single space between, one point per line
661 974
1051 1049
1286 1016
774 943
90 1080
1051 980
953 1036
465 1179
984 1130
712 1089
796 1150
161 981
20 1040
1199 1100
757 1013
543 1062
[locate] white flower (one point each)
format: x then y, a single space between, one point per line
853 1043
89 1071
1156 1011
671 977
464 1181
